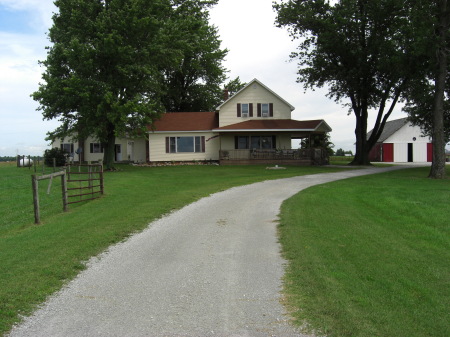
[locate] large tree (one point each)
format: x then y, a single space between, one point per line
427 99
419 106
441 72
361 49
105 68
194 83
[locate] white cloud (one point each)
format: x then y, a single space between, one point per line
21 127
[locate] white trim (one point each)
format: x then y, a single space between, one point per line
193 131
326 125
262 130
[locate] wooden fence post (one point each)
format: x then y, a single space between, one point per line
102 191
64 191
35 185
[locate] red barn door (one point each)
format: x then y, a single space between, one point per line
429 152
388 152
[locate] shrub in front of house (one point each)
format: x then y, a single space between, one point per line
58 154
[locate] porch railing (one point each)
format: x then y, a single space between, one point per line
271 154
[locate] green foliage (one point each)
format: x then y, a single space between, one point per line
7 158
57 154
194 82
106 67
233 86
340 152
369 67
419 108
427 98
370 266
318 141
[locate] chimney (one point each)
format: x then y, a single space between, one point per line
225 94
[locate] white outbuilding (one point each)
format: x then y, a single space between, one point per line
402 142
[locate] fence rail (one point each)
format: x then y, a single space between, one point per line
83 178
34 181
93 184
317 156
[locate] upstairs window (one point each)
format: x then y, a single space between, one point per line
265 109
244 110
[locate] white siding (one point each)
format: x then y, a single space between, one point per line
406 134
139 151
401 152
157 143
254 93
88 156
419 152
67 140
409 134
138 154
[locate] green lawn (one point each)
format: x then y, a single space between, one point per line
38 260
370 256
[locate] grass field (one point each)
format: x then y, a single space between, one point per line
369 256
38 260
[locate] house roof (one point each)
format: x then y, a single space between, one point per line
186 121
261 84
276 125
390 128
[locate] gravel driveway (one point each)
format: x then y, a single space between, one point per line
212 268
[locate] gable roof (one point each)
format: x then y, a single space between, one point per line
264 86
390 128
186 121
276 125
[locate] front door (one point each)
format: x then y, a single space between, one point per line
118 152
130 151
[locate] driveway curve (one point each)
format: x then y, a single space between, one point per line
212 268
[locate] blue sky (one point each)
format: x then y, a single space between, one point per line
15 21
257 49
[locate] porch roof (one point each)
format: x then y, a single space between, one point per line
276 125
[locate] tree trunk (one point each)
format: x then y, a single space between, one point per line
362 146
109 149
438 164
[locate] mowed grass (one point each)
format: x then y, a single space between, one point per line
36 260
370 256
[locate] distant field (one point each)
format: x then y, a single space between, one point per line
340 160
369 256
38 260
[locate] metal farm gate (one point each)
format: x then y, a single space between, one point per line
84 182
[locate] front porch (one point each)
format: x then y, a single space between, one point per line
312 156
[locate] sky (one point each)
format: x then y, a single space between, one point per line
257 49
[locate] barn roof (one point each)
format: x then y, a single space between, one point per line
390 128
